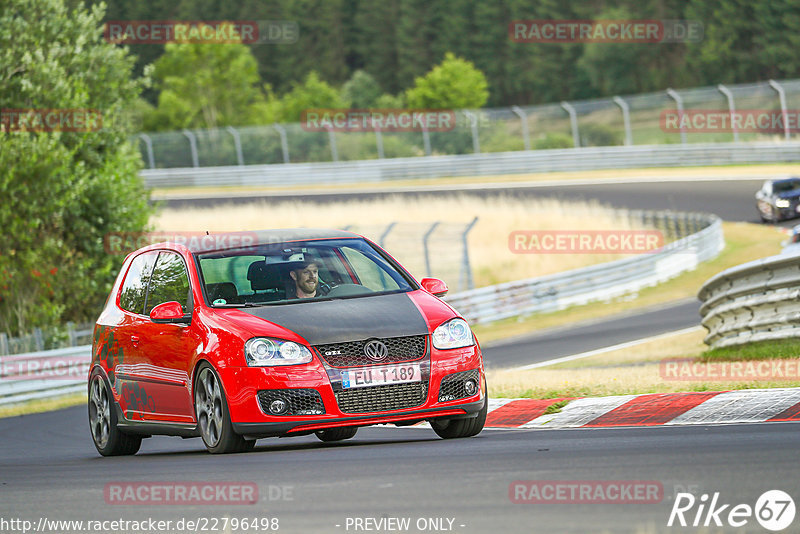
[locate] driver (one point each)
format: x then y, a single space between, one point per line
305 276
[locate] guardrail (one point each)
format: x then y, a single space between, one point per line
599 282
522 162
37 375
755 301
43 374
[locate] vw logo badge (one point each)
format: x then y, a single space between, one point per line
375 350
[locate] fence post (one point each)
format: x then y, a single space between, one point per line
38 339
626 119
573 120
425 246
379 142
385 234
149 144
237 143
192 147
678 104
466 269
284 141
523 118
784 112
426 140
473 123
3 344
732 108
71 333
332 138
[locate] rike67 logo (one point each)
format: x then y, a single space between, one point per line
774 510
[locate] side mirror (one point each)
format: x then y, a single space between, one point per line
434 286
169 312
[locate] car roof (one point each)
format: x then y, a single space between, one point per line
265 237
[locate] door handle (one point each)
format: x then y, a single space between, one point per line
134 340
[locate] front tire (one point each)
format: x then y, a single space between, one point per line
463 428
107 438
336 434
213 418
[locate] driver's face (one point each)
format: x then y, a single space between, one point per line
307 279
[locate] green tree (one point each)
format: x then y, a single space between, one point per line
361 90
63 191
454 84
208 85
312 93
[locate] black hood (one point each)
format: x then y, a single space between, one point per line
332 321
794 193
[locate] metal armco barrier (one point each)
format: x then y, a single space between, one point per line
598 282
755 301
522 162
38 375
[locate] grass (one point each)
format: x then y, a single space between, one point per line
643 369
633 174
43 405
744 242
761 350
555 407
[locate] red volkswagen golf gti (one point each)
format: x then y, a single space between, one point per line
277 333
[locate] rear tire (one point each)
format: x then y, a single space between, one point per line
336 434
463 428
213 418
107 438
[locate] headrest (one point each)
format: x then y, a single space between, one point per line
263 276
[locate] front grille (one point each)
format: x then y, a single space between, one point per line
351 353
452 387
299 401
382 398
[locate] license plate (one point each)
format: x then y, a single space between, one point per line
377 376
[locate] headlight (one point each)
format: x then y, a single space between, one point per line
453 334
267 351
782 203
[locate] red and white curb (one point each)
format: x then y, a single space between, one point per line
700 408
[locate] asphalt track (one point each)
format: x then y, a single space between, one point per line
731 200
592 335
48 468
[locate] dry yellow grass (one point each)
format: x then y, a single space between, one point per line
626 371
491 258
44 405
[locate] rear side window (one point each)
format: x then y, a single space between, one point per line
134 289
170 282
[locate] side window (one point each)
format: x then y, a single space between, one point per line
170 282
134 289
370 274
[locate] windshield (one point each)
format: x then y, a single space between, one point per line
786 185
294 272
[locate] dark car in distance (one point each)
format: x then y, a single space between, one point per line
779 199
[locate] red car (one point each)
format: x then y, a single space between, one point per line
277 333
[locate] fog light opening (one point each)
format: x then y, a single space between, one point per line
470 387
278 406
